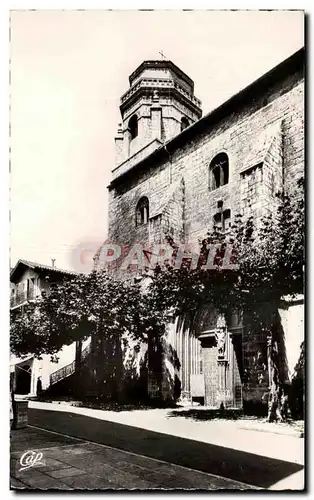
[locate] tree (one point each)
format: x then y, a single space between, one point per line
269 258
110 311
43 326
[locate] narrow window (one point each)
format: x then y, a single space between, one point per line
142 211
219 171
222 220
184 123
218 220
226 220
133 127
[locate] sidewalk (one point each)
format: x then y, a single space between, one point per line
227 433
66 463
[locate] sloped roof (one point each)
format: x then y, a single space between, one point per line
260 146
161 64
21 263
163 202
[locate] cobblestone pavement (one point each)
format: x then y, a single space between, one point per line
68 464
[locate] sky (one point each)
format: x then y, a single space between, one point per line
68 71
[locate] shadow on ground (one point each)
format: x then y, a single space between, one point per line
109 405
203 414
234 464
207 414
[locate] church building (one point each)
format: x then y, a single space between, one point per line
178 172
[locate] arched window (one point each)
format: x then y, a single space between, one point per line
142 211
219 171
133 127
184 123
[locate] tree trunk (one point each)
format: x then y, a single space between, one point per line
118 366
277 399
12 409
97 361
155 366
78 356
274 406
78 366
101 365
93 356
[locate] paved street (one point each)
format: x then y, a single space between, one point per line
76 464
144 458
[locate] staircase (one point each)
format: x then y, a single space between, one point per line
69 369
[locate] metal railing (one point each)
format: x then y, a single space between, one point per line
69 369
62 373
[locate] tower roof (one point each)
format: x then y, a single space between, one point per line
161 64
165 77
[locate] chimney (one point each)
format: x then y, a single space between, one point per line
53 262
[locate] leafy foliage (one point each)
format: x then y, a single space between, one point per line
76 308
269 259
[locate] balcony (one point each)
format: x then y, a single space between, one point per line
22 297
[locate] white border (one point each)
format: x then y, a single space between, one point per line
5 7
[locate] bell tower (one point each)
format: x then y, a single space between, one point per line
159 104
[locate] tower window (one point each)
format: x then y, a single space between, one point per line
142 211
133 127
184 123
219 171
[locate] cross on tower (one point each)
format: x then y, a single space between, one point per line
162 54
